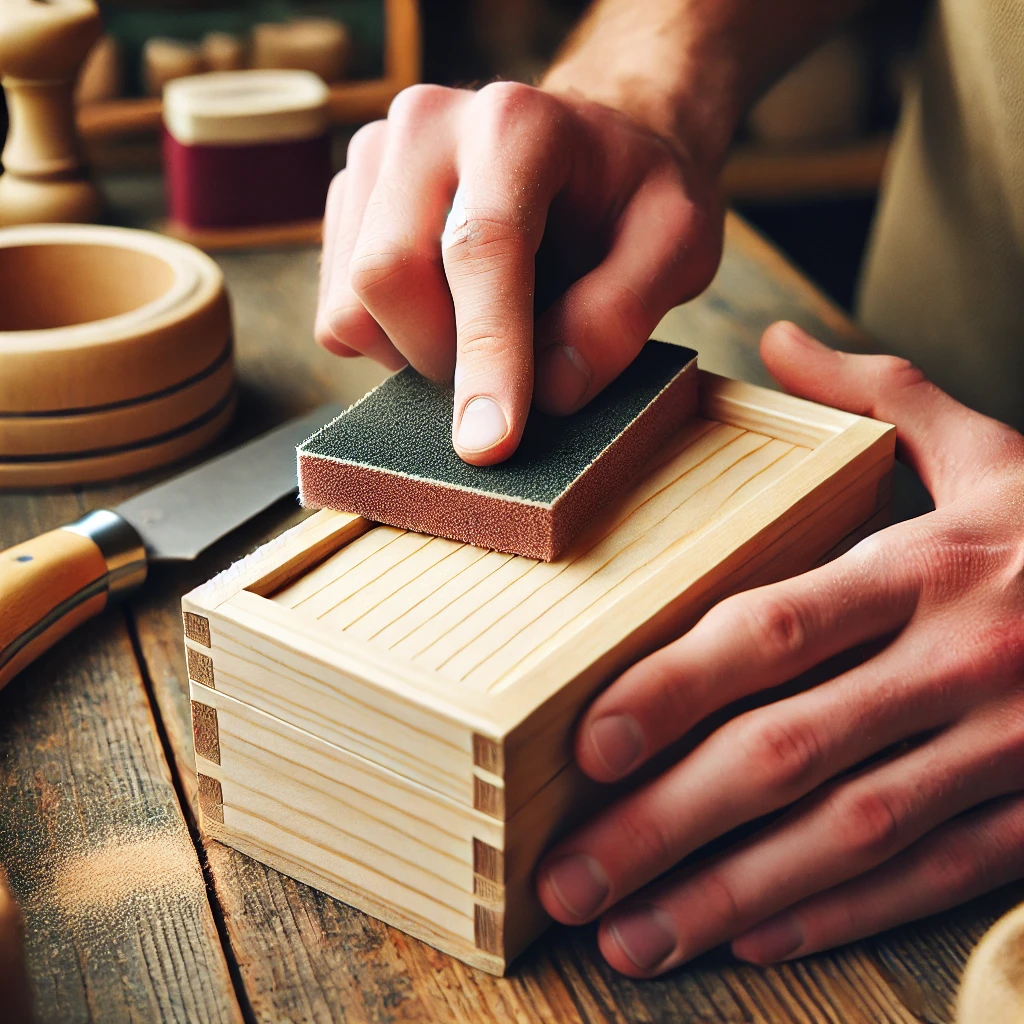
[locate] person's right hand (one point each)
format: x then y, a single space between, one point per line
433 229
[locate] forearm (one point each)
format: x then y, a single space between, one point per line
690 68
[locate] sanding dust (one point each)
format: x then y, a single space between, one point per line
109 876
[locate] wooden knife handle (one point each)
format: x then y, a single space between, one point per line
53 583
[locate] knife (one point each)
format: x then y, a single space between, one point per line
53 583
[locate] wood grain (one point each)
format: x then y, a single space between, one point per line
118 922
304 956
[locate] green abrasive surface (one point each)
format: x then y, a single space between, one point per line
404 426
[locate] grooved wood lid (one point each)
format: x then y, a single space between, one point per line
243 108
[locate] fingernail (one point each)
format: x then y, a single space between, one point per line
645 934
770 942
565 375
618 742
482 425
797 334
580 883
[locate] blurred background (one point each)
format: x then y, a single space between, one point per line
805 170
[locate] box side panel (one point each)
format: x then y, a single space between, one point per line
381 841
541 744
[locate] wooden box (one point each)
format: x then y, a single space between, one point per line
388 716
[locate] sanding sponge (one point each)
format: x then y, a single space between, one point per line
390 458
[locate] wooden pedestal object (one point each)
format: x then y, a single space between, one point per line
388 716
42 48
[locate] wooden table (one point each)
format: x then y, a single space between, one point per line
132 916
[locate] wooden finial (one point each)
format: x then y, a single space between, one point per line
42 47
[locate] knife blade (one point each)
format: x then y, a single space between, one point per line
53 583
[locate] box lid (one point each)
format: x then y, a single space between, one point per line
242 108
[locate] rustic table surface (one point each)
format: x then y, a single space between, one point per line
133 916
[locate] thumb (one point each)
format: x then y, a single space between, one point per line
944 442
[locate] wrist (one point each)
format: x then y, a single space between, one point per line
691 115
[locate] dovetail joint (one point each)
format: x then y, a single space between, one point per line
197 628
487 890
200 667
488 755
489 930
211 798
206 731
488 861
488 799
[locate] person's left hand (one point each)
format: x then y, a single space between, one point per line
905 773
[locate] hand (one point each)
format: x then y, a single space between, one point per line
902 776
623 225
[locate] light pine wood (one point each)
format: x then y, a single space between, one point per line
42 48
439 676
36 578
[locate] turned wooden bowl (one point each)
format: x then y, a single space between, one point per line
115 352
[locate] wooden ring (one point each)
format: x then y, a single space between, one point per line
115 465
121 425
93 316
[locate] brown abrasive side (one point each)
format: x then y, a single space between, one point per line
489 521
607 476
426 506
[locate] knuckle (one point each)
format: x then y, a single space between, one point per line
646 838
627 316
348 324
371 272
954 869
486 235
720 899
418 103
868 825
898 373
777 624
337 184
481 342
782 752
363 140
506 101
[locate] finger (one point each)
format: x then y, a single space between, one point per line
946 443
332 215
748 643
957 862
342 319
511 165
665 250
396 267
839 833
755 764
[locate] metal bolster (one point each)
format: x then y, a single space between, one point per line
121 546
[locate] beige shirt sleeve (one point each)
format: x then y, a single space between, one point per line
943 283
